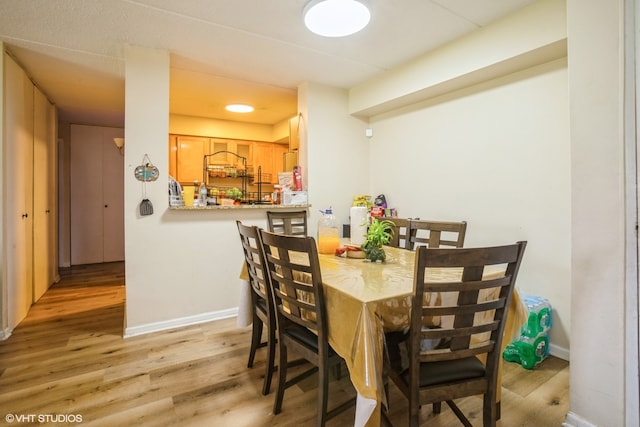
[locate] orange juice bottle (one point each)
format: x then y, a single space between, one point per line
328 234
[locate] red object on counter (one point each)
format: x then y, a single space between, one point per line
297 177
377 212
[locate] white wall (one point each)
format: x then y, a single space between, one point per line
181 266
334 152
598 213
497 156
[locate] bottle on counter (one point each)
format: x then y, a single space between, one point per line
202 194
328 233
276 196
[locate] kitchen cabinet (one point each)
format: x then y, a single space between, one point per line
270 157
238 147
186 155
263 161
96 196
190 152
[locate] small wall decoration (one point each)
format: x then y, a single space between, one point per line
144 173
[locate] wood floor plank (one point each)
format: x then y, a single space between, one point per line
69 357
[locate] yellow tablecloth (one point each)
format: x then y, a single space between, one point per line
365 299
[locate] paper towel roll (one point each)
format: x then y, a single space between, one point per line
358 225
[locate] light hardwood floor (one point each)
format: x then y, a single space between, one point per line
68 359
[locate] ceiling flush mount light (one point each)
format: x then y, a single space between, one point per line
239 108
336 18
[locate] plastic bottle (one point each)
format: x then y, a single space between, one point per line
202 194
328 233
276 197
539 320
532 345
528 352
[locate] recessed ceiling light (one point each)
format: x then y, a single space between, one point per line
336 18
239 108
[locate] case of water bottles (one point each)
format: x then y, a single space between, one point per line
532 345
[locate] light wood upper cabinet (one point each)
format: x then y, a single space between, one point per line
190 152
186 155
270 157
241 148
245 149
263 161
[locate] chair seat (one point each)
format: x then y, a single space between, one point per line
306 337
432 373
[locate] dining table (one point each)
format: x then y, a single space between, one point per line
366 299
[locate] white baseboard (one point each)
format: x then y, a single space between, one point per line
573 420
559 352
178 323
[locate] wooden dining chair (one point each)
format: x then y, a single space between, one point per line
295 282
443 361
261 301
436 234
400 232
289 223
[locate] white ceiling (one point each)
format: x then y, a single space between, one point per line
222 51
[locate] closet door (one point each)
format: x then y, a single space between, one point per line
53 184
96 194
42 198
87 208
18 127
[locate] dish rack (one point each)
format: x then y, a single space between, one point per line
237 169
231 171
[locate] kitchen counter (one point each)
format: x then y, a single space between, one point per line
237 207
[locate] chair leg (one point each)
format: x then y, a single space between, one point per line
271 357
256 336
323 392
489 411
414 412
437 407
282 377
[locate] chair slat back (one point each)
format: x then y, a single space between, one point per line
472 311
289 223
254 259
400 232
295 281
435 234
